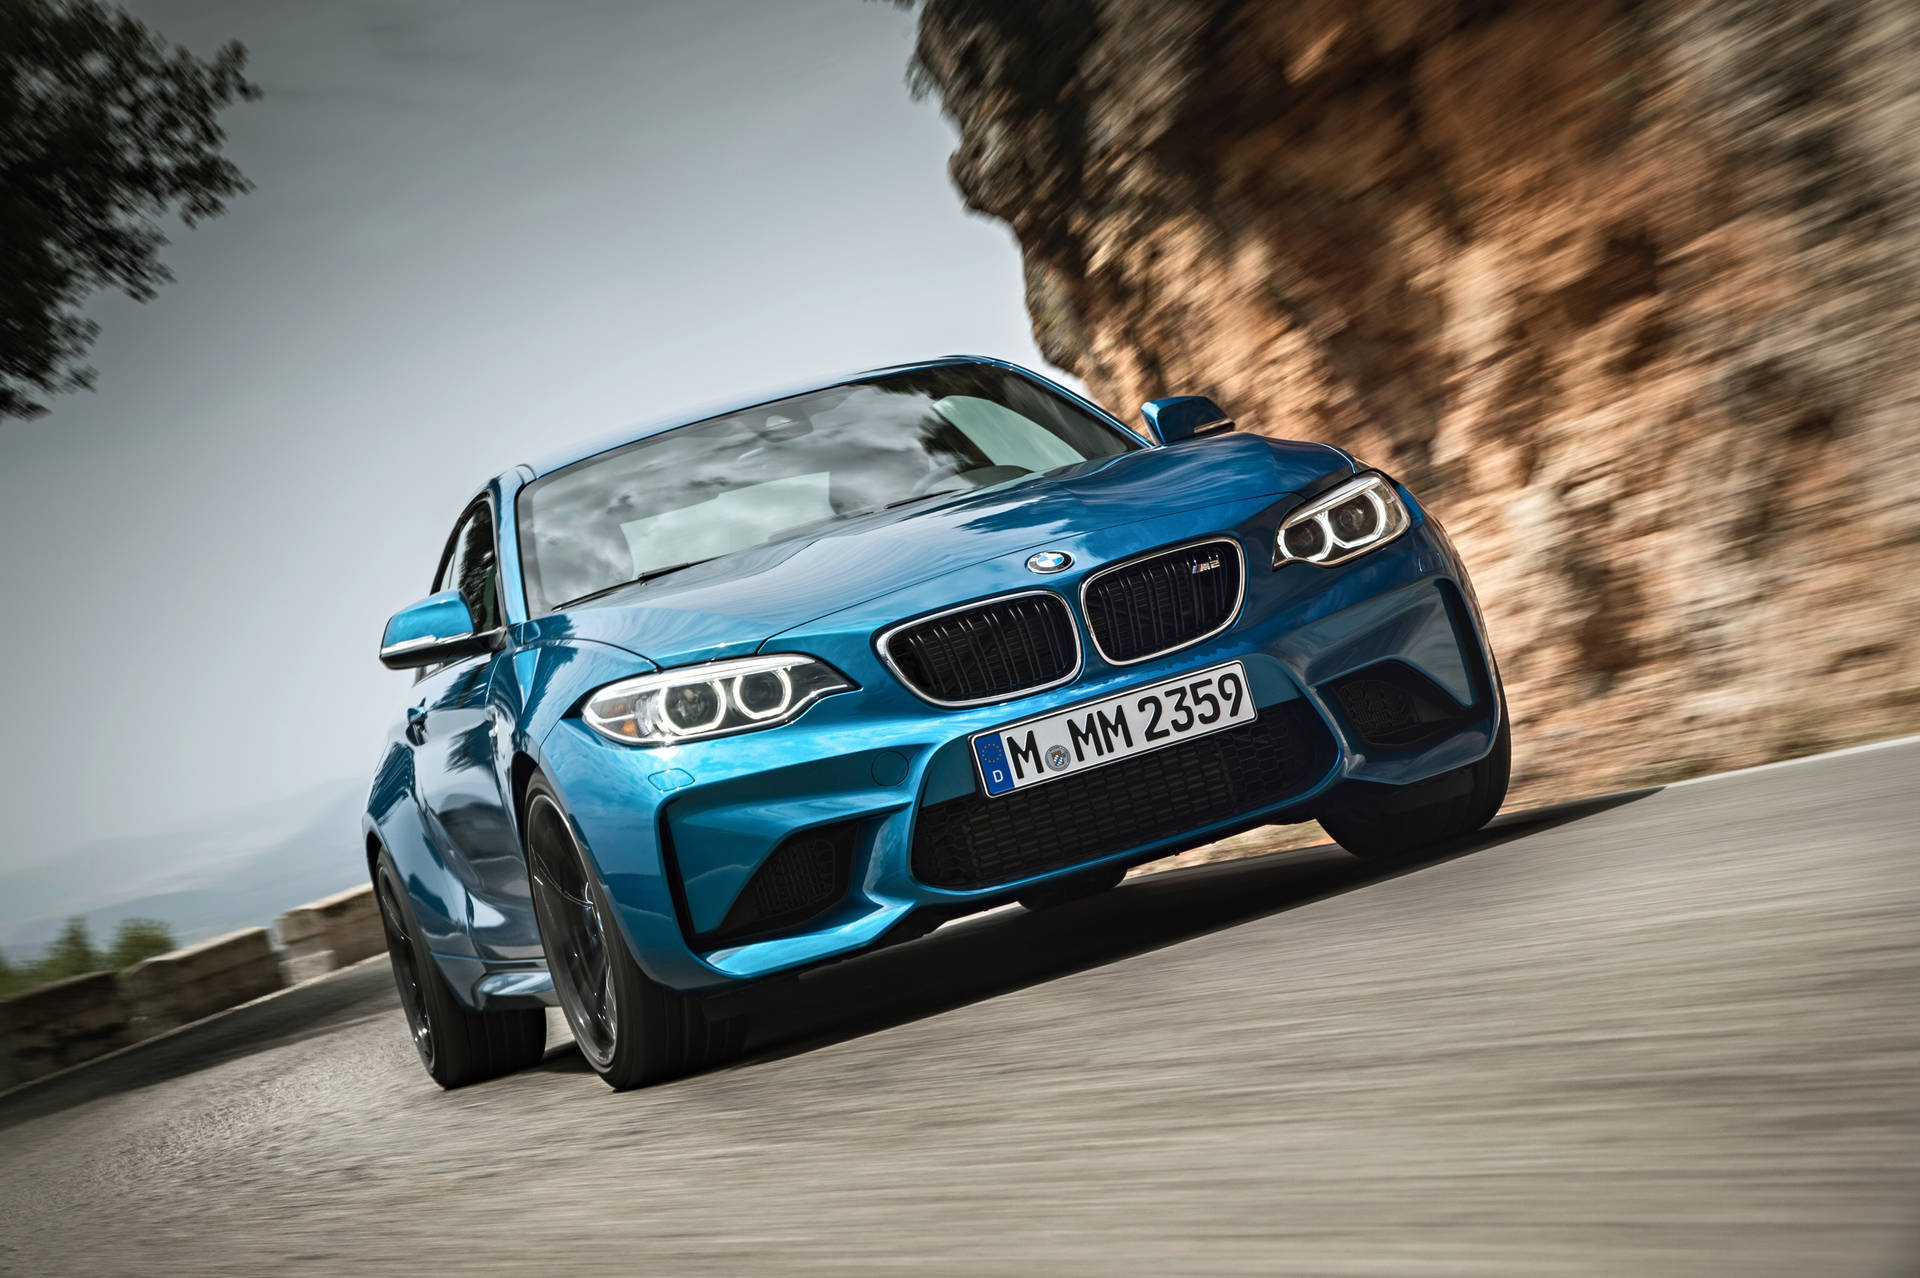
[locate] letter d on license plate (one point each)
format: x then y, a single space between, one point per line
1094 733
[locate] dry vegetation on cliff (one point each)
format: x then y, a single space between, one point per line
1629 292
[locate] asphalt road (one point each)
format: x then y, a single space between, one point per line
1671 1033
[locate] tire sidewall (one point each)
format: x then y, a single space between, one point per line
1406 834
436 999
631 987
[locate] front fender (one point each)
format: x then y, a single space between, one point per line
554 674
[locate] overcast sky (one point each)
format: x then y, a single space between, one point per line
482 230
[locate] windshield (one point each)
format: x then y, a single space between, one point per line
770 472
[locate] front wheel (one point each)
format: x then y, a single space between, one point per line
1390 822
631 1029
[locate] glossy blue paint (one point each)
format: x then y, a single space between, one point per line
675 833
436 618
569 668
393 822
1181 417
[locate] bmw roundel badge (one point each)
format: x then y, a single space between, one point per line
1049 561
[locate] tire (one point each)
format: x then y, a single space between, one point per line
457 1046
632 1030
1380 822
1079 887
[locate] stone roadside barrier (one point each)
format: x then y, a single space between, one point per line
170 990
48 1029
331 933
64 1023
8 1076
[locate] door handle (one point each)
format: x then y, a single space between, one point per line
417 724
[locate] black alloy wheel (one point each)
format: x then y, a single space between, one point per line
579 953
406 971
632 1029
457 1044
1390 823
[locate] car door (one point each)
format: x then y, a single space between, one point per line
456 732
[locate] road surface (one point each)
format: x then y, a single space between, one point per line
1669 1033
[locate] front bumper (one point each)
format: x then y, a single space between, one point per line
677 834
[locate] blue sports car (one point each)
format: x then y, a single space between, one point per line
738 695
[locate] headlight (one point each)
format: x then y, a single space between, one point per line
1360 514
711 700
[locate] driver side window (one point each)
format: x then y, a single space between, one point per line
472 567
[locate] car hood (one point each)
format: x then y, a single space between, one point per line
730 606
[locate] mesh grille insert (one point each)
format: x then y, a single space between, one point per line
1393 705
1164 601
802 878
975 842
990 650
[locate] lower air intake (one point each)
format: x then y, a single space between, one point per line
977 842
1393 706
802 878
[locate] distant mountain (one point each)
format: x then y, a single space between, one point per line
239 872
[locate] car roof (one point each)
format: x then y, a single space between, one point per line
547 465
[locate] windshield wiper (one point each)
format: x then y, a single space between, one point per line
908 501
648 575
954 491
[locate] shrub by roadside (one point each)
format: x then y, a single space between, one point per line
73 953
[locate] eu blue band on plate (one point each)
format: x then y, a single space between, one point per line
992 753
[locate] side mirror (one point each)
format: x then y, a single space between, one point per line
1182 417
438 628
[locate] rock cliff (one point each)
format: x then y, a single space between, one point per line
1630 293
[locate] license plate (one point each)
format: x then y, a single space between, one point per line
1093 733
